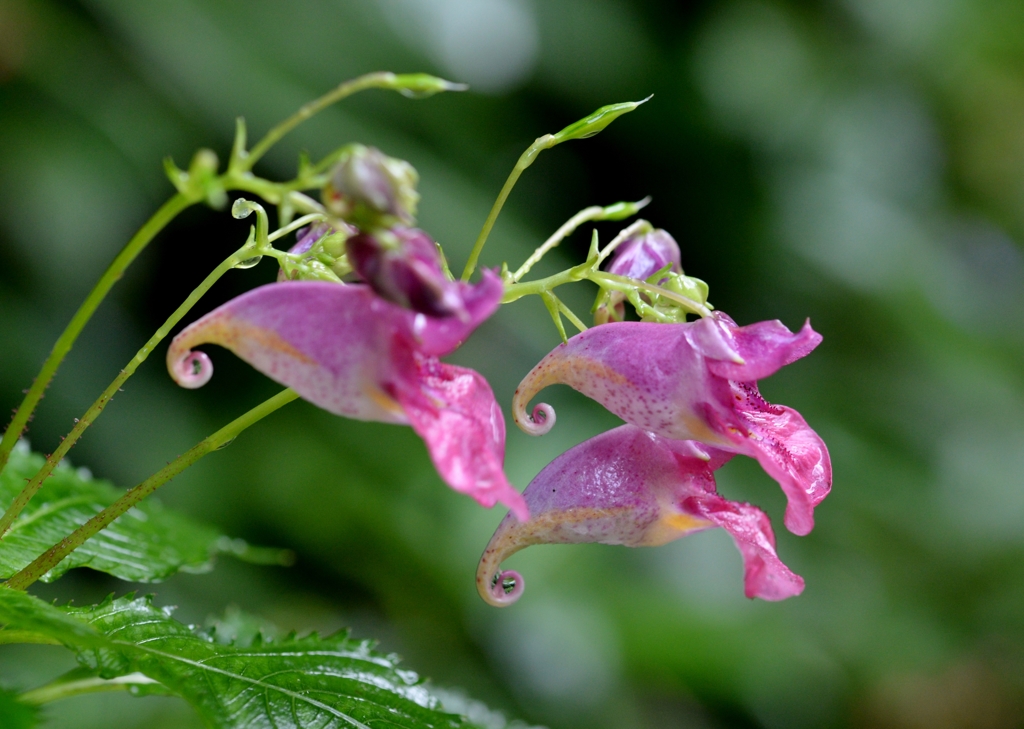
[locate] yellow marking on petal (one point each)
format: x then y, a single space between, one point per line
699 430
242 337
384 402
670 527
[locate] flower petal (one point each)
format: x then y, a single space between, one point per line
648 374
439 336
645 255
660 377
339 346
348 351
788 450
631 487
331 343
764 574
763 348
453 409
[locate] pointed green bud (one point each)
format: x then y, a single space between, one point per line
422 85
596 122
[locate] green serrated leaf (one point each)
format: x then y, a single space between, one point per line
14 714
148 544
293 682
23 612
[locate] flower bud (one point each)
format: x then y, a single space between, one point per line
318 254
645 255
638 258
371 190
403 266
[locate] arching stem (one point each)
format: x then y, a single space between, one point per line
22 499
138 242
55 554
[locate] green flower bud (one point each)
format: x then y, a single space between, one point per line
371 190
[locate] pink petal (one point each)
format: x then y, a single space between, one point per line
337 345
439 336
661 377
788 450
631 487
648 374
453 409
332 343
763 348
764 574
348 351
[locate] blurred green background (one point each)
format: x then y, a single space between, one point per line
860 162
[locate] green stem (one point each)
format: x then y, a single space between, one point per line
55 554
9 637
514 292
567 229
626 285
383 80
618 211
571 315
525 160
63 688
639 226
295 225
145 234
33 486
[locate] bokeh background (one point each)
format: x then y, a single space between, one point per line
860 162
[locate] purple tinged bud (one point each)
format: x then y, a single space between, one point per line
403 266
367 184
638 258
645 255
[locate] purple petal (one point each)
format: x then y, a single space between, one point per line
660 377
631 487
453 409
788 450
645 255
348 351
763 348
331 343
309 235
648 374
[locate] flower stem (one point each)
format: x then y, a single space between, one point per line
236 177
23 498
640 226
618 211
418 84
55 554
525 160
145 234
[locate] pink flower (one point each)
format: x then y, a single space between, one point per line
695 381
354 354
632 487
